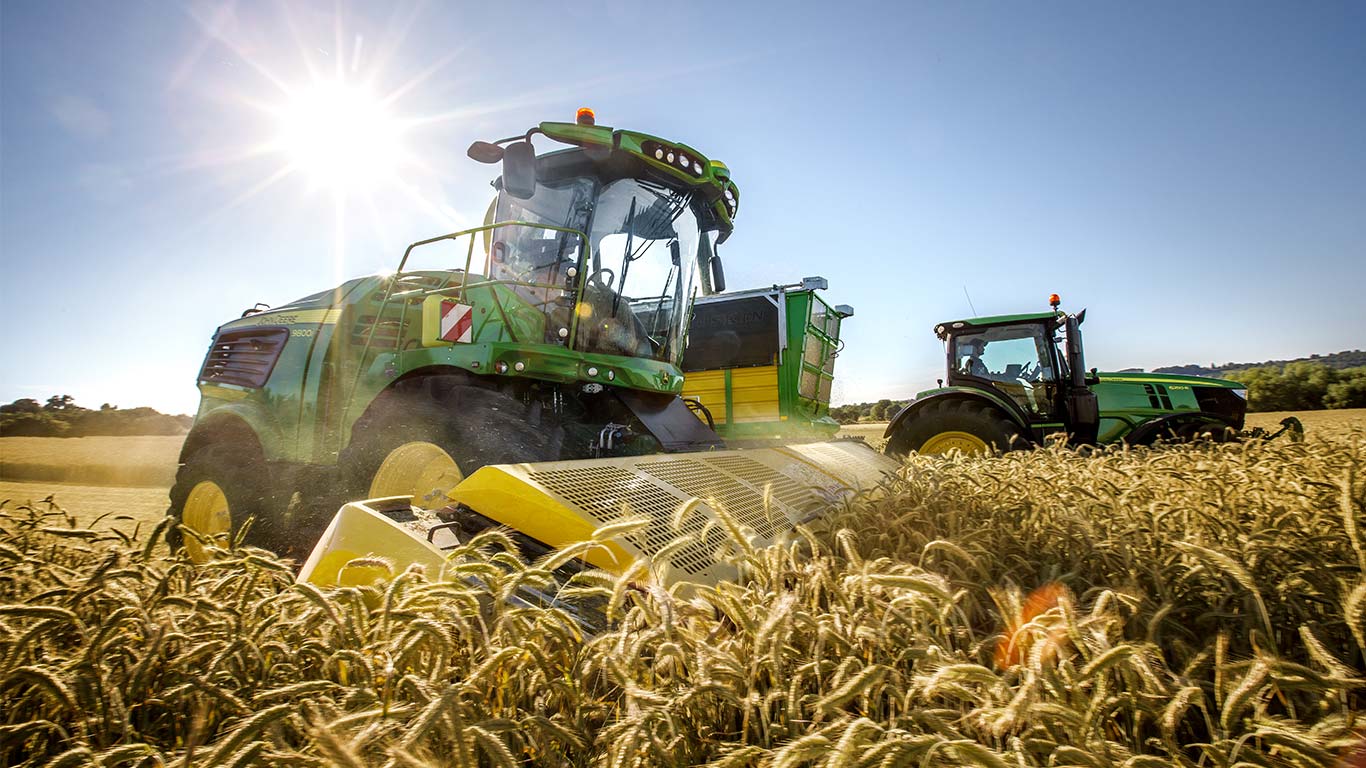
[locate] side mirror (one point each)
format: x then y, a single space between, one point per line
676 253
718 274
484 152
519 170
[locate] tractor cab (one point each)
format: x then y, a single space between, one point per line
1016 355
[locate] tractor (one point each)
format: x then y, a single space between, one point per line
530 380
1015 381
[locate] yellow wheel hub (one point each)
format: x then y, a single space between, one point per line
948 441
421 470
206 511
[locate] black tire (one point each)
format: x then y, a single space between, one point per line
242 475
476 426
996 430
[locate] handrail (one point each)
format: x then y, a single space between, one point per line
464 281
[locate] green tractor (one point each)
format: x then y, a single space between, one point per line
1015 380
555 332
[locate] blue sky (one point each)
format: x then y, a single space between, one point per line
1195 173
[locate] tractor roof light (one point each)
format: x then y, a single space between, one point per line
1054 300
585 116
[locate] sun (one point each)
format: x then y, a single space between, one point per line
339 135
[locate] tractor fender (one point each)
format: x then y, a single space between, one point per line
238 424
998 402
413 381
1148 431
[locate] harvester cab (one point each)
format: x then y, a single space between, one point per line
529 378
1015 380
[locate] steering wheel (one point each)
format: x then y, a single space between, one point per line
596 278
1030 372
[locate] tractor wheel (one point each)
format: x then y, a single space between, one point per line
421 441
965 425
217 489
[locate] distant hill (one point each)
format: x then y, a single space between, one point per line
1355 358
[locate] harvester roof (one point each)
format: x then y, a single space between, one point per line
615 153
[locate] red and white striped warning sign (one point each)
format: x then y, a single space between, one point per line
457 322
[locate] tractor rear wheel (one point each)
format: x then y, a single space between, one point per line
423 439
215 491
964 425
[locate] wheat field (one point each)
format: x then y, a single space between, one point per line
148 461
1195 606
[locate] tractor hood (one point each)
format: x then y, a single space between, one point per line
1125 377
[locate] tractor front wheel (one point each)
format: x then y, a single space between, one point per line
215 491
963 425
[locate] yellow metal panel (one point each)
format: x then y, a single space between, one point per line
302 317
754 393
359 531
708 388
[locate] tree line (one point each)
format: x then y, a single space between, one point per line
1302 386
61 417
882 410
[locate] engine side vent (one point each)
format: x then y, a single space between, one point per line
244 358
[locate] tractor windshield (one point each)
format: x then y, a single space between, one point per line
644 240
1015 359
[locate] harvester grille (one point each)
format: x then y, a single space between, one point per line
765 491
244 358
607 494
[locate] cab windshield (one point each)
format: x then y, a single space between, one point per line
1016 360
640 282
640 278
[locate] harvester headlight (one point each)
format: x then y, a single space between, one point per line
564 333
500 367
572 272
1241 393
670 157
659 153
683 160
730 196
697 168
611 375
592 371
519 366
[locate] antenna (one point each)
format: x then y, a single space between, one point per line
969 298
